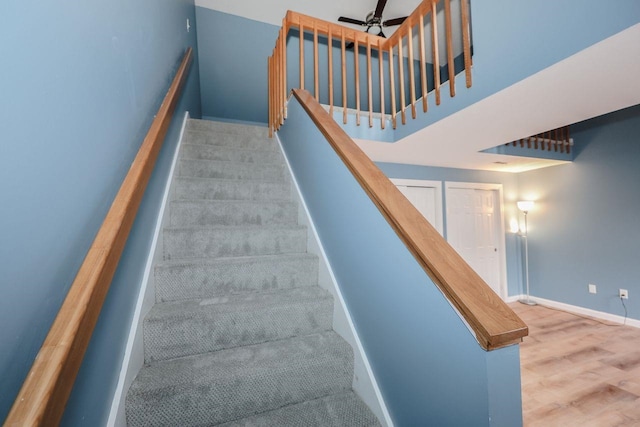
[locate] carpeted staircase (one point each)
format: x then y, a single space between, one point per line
241 333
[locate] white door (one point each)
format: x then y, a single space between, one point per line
474 230
426 196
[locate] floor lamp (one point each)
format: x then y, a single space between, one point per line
525 206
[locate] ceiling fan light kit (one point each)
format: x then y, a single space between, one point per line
374 19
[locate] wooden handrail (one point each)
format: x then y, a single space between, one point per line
45 392
494 323
357 39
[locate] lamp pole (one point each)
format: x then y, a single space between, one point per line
528 300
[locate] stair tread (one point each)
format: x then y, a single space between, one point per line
227 385
232 228
234 302
188 372
234 260
182 328
233 180
335 410
243 150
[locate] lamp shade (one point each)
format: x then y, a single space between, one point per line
525 205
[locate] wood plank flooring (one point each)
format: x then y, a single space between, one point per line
578 371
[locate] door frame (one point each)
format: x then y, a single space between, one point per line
429 184
501 241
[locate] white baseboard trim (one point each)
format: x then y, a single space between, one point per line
342 312
601 315
134 353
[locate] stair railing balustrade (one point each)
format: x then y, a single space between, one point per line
396 51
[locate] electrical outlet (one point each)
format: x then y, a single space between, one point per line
592 289
624 294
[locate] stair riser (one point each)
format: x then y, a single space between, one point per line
244 142
204 330
189 189
232 384
229 170
210 152
231 213
206 243
229 128
182 282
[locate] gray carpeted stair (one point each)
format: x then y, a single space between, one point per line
241 333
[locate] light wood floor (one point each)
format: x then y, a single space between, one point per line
577 371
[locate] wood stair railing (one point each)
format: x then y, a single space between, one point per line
390 51
44 394
493 322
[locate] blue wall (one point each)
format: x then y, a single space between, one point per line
233 65
80 84
584 227
430 368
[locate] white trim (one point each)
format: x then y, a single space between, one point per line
586 312
134 353
429 184
502 245
359 350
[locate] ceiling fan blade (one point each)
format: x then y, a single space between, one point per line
394 21
351 21
380 8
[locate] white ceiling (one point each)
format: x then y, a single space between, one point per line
273 11
456 140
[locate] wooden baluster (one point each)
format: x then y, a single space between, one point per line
549 141
269 72
423 65
316 83
528 142
356 51
535 142
276 74
466 40
369 82
514 143
301 56
412 79
561 142
434 48
279 99
276 88
555 137
449 35
283 64
330 53
392 88
381 67
401 80
344 77
521 143
568 141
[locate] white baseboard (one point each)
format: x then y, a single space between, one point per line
134 353
364 384
580 310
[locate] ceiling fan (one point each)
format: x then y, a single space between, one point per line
374 19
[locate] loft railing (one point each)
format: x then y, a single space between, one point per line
557 140
44 394
492 321
404 88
